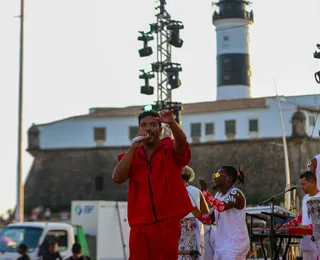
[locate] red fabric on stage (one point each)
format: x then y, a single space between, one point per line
155 241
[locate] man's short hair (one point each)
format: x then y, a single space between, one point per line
53 242
23 246
309 176
76 248
148 113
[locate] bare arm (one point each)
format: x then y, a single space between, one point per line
203 213
312 165
180 138
234 200
203 205
207 218
122 170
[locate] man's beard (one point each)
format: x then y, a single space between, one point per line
152 143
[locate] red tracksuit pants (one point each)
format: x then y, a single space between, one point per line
155 241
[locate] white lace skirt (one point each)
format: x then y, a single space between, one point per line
191 240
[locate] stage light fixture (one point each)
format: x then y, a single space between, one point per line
317 77
151 107
172 70
161 11
146 89
145 37
157 66
316 54
148 108
174 27
156 27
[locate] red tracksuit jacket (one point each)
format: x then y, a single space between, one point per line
156 189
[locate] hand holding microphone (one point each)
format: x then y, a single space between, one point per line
139 139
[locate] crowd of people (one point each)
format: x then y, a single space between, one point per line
52 252
171 219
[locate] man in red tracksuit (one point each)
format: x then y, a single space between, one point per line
157 197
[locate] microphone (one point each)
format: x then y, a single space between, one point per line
294 187
139 138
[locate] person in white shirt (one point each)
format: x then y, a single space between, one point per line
192 231
308 183
314 167
232 239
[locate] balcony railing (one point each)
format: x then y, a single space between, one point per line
233 14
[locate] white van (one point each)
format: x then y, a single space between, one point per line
36 236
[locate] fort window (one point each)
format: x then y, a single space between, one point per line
209 129
99 183
253 125
196 130
99 133
230 127
133 130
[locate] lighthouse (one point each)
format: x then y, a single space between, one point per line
232 20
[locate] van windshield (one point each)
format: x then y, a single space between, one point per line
12 237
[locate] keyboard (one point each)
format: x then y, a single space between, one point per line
288 231
262 210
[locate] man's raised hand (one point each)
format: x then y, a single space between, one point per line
202 184
166 116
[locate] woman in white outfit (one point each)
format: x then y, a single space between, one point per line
192 231
232 239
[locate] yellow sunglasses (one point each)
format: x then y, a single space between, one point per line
218 174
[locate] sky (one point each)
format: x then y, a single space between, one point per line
84 53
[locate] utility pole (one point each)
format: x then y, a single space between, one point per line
167 33
20 191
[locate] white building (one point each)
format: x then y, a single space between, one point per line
202 122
